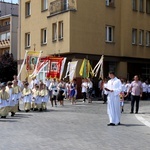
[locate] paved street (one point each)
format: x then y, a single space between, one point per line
79 127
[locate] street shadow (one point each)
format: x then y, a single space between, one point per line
131 125
7 120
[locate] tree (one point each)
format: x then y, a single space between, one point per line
8 67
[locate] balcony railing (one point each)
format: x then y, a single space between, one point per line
4 28
59 6
5 43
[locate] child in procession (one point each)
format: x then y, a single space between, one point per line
4 102
26 95
45 97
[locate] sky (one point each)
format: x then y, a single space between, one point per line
14 1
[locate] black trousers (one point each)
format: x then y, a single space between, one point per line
133 100
84 96
105 98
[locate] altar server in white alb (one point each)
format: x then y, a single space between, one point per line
4 102
26 94
35 97
16 95
113 108
44 97
12 102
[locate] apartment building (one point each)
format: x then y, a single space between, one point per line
8 28
8 8
77 29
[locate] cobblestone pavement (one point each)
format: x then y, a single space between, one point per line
75 127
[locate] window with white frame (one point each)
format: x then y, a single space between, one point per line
147 38
134 36
60 32
27 9
141 37
134 4
148 6
44 36
109 33
44 5
54 31
110 2
141 5
27 40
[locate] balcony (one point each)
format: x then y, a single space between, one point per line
60 6
5 43
4 28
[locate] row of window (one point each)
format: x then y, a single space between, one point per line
138 37
44 6
136 5
57 34
109 31
140 5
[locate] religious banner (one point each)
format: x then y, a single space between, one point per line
99 68
55 67
71 69
41 64
85 69
31 59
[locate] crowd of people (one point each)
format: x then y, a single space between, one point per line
36 94
115 91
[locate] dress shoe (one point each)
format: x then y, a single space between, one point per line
136 112
3 116
12 114
131 112
111 124
119 123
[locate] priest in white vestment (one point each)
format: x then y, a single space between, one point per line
113 108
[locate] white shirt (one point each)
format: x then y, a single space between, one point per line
90 84
127 86
84 86
145 87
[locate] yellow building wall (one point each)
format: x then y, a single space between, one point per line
84 29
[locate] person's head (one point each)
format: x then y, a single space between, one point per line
15 77
3 86
9 84
111 74
105 80
136 78
26 84
15 82
74 80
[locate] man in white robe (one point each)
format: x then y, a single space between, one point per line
113 108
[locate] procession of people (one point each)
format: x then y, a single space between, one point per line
36 94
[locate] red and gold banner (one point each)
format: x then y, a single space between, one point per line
54 67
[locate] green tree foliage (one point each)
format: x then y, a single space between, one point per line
8 67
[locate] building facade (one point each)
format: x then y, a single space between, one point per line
8 28
77 29
8 8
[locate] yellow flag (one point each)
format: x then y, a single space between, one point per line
81 68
